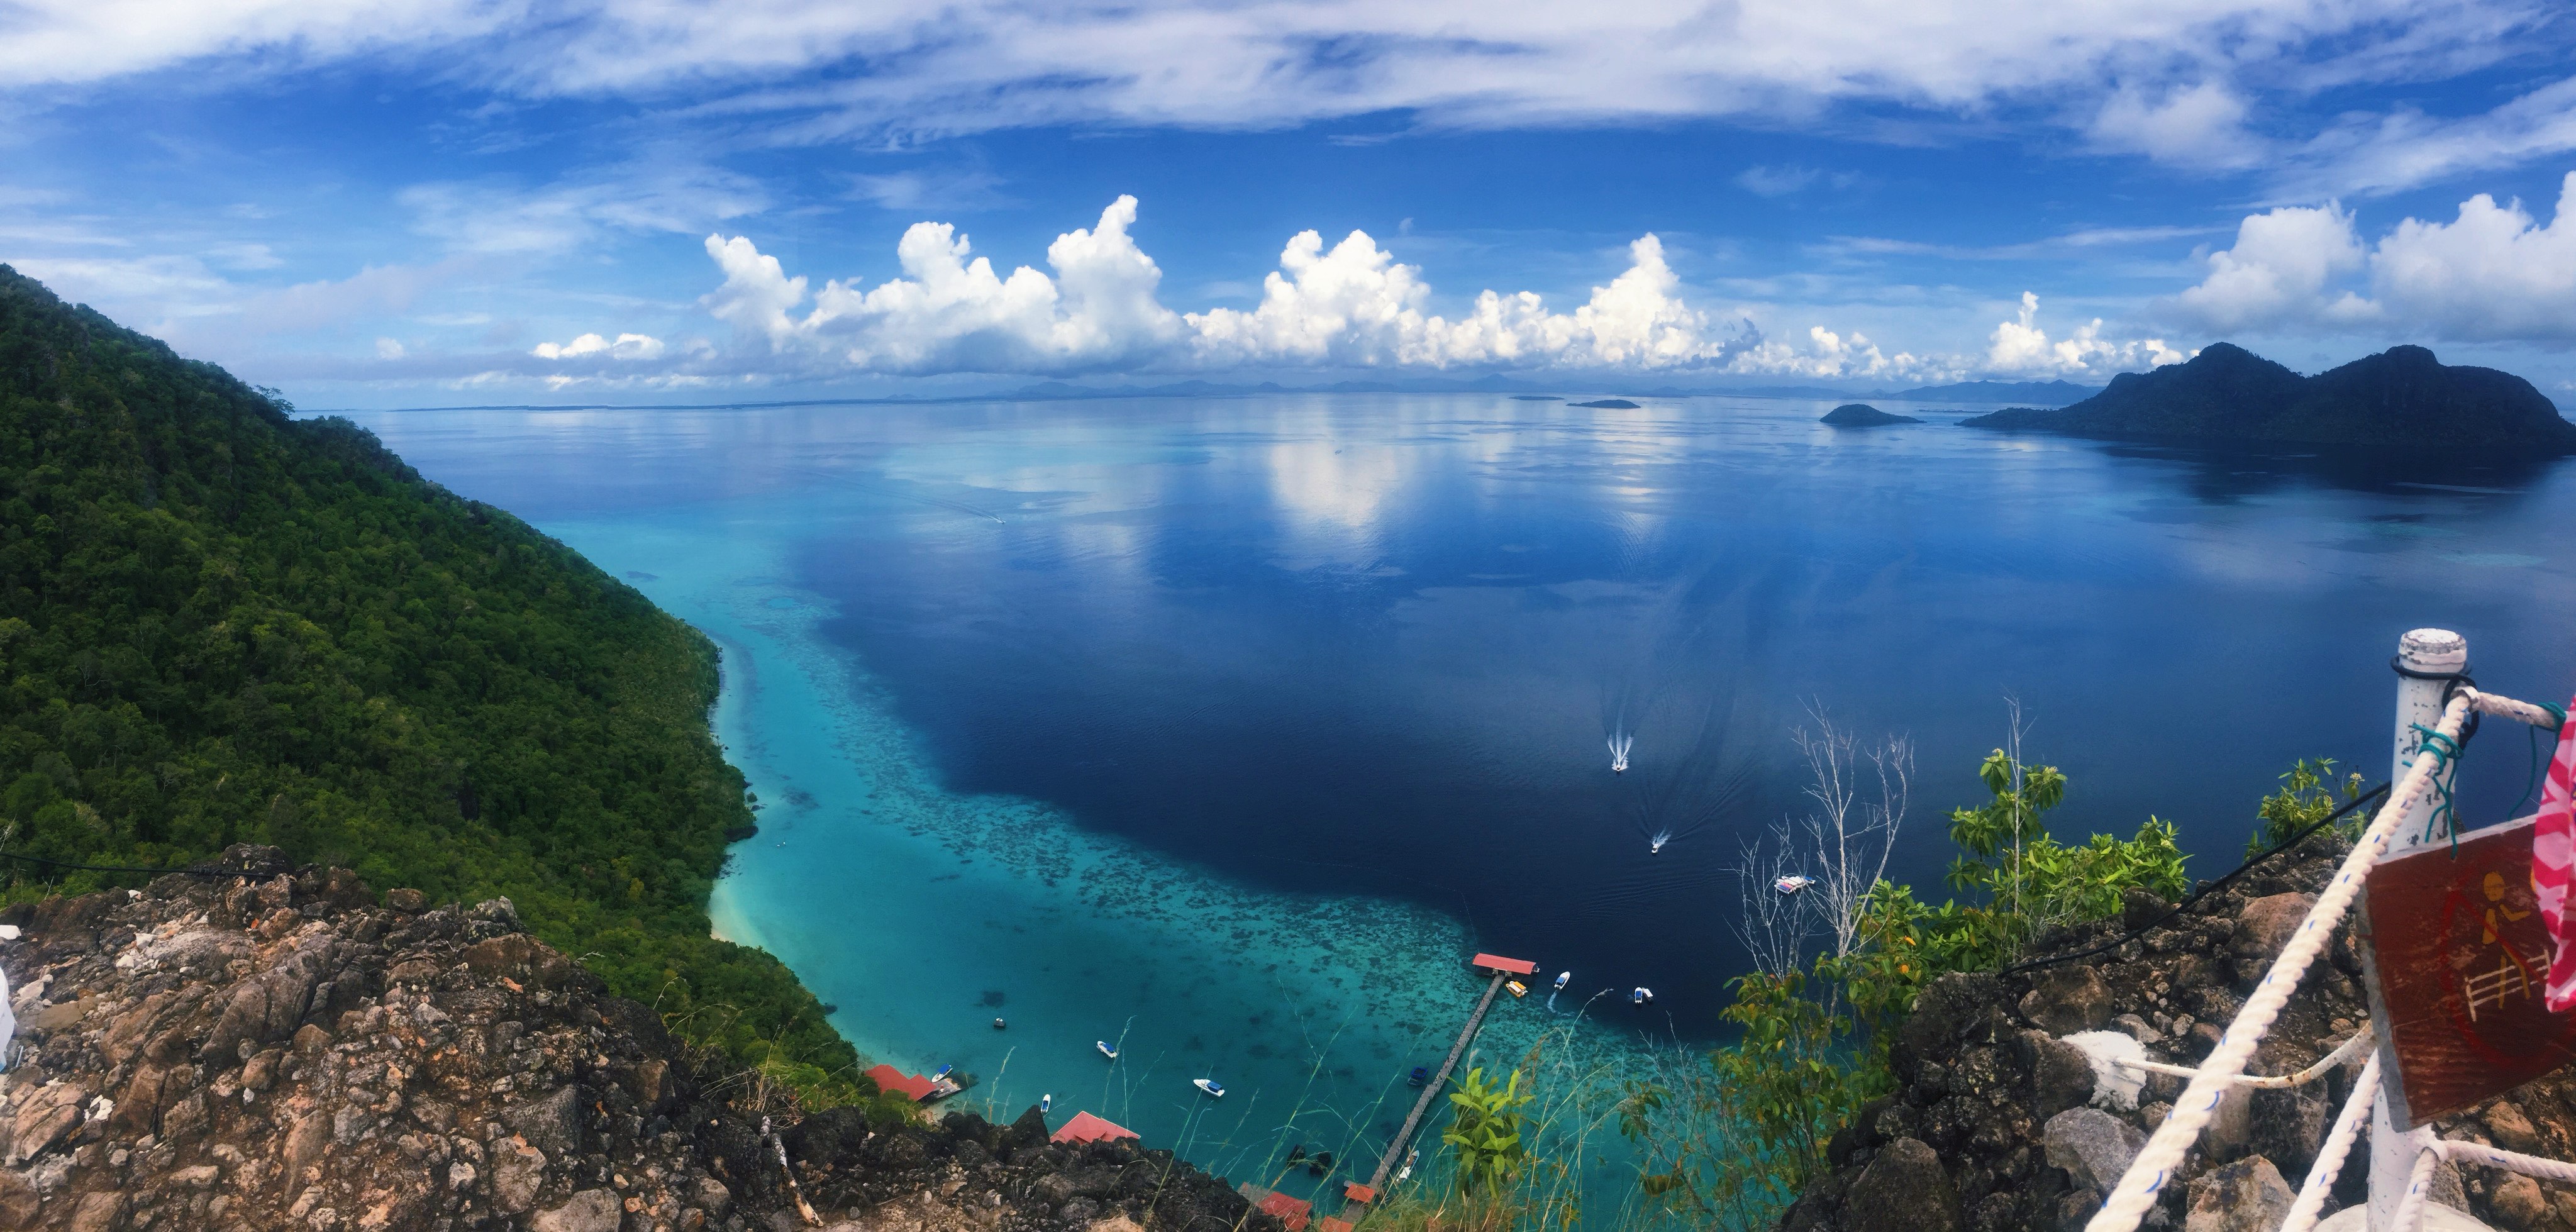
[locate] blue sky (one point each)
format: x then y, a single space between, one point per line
408 202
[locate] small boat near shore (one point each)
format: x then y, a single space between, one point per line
1209 1085
1105 1049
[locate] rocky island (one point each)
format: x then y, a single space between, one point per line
2400 398
1863 415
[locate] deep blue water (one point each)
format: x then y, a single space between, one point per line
1198 695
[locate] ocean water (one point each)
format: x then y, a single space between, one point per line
1224 729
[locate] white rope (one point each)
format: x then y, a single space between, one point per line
2330 1157
2419 1185
2504 707
2340 1055
2146 1177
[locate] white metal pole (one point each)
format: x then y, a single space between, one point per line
2419 701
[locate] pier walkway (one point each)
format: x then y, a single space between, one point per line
1502 969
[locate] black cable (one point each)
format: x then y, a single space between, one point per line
2204 891
193 871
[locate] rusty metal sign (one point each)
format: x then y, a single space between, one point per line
2456 957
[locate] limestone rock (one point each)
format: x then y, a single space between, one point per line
591 1210
1903 1190
246 1055
2061 1075
2268 924
2518 1203
2093 1147
2512 1129
2067 1000
2246 1196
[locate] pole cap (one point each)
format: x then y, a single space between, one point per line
2433 650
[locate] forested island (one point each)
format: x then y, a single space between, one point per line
1862 415
2400 398
220 624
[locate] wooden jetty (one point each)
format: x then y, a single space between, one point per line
1501 969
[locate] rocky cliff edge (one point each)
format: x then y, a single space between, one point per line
1999 1123
280 1049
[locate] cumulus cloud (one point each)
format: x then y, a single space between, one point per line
2280 270
2021 347
2493 273
626 347
1350 305
950 314
1357 305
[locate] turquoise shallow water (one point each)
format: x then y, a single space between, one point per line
908 907
1226 729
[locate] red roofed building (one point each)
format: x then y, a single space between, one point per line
1330 1224
1085 1127
1496 962
913 1087
1290 1211
1353 1191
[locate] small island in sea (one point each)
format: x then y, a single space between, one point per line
1863 415
2402 396
1610 404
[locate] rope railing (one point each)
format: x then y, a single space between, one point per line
2419 1186
2143 1184
2341 1054
2338 1144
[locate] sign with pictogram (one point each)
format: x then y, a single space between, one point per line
2455 958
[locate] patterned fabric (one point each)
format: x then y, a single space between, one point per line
2553 856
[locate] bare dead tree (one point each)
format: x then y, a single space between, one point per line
1773 927
1860 795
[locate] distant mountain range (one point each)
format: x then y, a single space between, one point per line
2401 397
2039 393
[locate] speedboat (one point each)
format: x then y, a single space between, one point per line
1641 995
1792 884
1105 1049
943 1072
1655 845
1208 1085
998 1024
1420 1077
1046 1103
1518 989
1561 978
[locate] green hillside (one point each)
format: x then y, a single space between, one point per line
221 625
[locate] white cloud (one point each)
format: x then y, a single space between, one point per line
2200 124
1775 181
2280 270
2021 347
950 314
627 347
2404 148
827 69
1352 305
389 348
2493 273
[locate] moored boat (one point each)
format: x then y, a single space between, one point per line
1208 1085
1105 1049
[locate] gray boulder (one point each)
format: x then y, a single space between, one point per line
1903 1190
2093 1147
2246 1196
2066 1000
